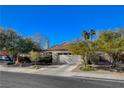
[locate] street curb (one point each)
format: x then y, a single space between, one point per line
65 74
81 77
101 79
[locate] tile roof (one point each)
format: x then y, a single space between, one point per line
62 46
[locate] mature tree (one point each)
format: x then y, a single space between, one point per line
16 44
113 44
8 39
24 46
12 39
2 39
85 49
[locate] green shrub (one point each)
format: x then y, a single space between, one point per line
46 60
87 68
34 56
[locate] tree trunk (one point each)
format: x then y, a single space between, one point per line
83 61
35 63
115 59
17 60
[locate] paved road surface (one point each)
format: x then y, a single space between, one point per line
19 80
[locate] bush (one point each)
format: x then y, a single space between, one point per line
34 56
87 68
45 60
10 63
24 59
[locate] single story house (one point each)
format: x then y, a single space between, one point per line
61 55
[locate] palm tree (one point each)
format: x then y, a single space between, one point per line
92 33
87 35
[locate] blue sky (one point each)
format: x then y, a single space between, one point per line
60 23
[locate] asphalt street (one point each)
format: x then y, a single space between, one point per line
20 80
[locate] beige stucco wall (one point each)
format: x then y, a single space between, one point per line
70 59
55 56
64 59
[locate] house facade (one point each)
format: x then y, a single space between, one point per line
61 55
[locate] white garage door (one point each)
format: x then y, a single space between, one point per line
69 59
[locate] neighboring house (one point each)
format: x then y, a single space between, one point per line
61 55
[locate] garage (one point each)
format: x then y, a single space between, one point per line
68 59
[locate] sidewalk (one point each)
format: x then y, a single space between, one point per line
64 70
